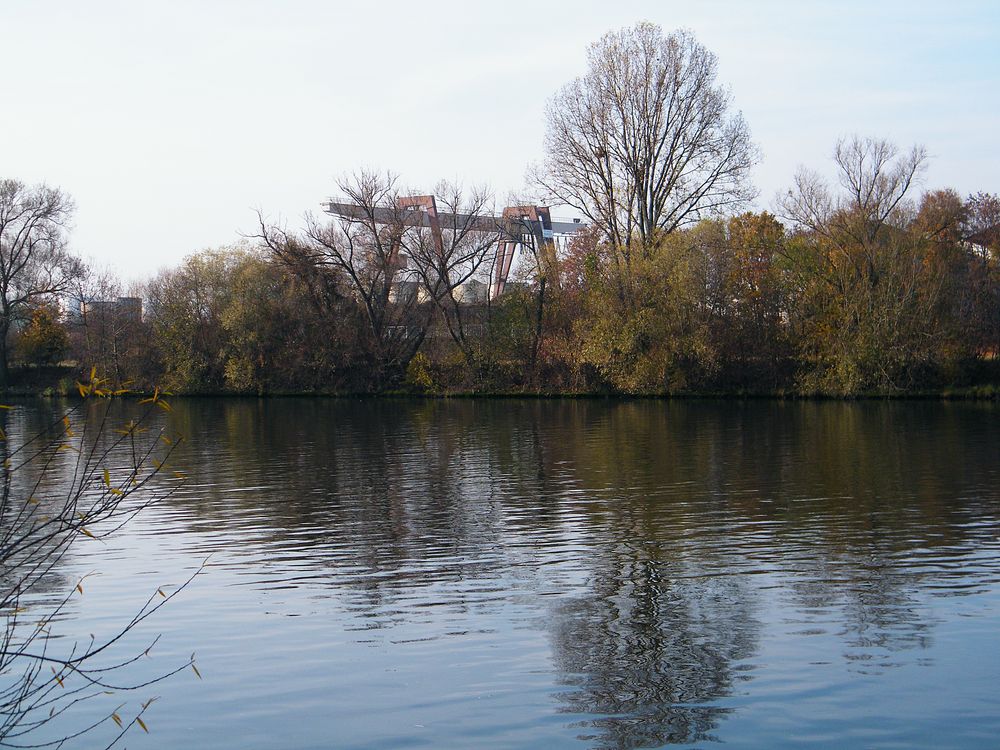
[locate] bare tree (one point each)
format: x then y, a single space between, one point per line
358 256
110 480
449 256
645 142
34 264
105 323
875 179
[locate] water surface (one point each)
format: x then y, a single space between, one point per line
566 574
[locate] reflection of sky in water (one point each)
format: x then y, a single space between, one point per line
571 574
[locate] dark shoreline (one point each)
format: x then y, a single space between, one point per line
972 393
61 382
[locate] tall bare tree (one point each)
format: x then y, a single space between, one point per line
34 264
646 141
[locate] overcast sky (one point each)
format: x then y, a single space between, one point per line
170 122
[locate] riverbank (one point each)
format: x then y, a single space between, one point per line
60 381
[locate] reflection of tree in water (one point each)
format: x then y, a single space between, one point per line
649 657
43 481
873 600
376 499
655 643
830 498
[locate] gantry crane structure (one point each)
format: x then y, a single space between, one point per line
517 228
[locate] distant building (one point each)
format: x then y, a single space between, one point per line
70 307
982 241
405 292
472 292
516 286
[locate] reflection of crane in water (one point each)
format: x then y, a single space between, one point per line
530 227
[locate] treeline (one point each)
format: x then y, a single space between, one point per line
855 304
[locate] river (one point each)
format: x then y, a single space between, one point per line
559 574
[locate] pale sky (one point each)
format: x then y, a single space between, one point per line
170 122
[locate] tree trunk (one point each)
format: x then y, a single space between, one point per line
539 318
4 373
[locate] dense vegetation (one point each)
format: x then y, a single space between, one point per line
736 305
